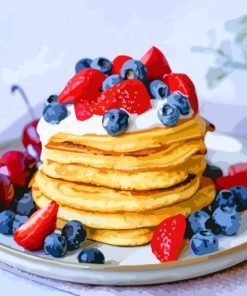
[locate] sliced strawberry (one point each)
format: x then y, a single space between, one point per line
131 95
156 64
85 84
168 238
237 168
226 182
32 233
118 62
182 83
83 109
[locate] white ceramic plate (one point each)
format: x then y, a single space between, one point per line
137 265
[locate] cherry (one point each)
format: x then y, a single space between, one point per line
18 167
30 137
6 192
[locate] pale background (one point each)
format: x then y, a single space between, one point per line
40 41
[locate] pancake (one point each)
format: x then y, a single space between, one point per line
186 129
103 199
133 220
126 180
133 237
170 156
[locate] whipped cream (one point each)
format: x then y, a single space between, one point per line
93 125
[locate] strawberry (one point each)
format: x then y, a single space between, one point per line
130 95
237 168
227 182
32 233
85 84
168 238
182 83
156 64
83 109
118 62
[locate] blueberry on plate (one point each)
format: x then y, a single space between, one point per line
168 114
197 220
133 69
158 89
240 192
204 242
7 218
112 80
25 206
225 198
91 255
54 113
102 64
55 245
227 219
83 64
74 233
115 121
212 172
19 221
51 99
181 102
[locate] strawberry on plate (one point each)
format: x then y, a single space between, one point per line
131 95
118 62
156 64
182 83
32 233
85 84
237 168
227 182
168 238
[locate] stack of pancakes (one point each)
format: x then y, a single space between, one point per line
122 187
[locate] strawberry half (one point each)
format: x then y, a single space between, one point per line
118 62
156 64
32 233
237 168
131 95
226 182
182 83
168 238
85 84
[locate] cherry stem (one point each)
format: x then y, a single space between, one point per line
18 88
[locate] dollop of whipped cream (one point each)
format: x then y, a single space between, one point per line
93 125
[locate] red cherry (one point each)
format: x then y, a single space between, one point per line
6 192
118 62
156 64
32 233
85 84
182 83
18 166
31 140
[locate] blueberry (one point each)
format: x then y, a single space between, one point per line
55 112
51 99
225 198
180 102
212 172
240 192
74 233
83 64
227 219
204 242
168 115
102 64
115 121
197 220
91 255
111 81
133 69
25 206
6 222
158 89
55 245
19 221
